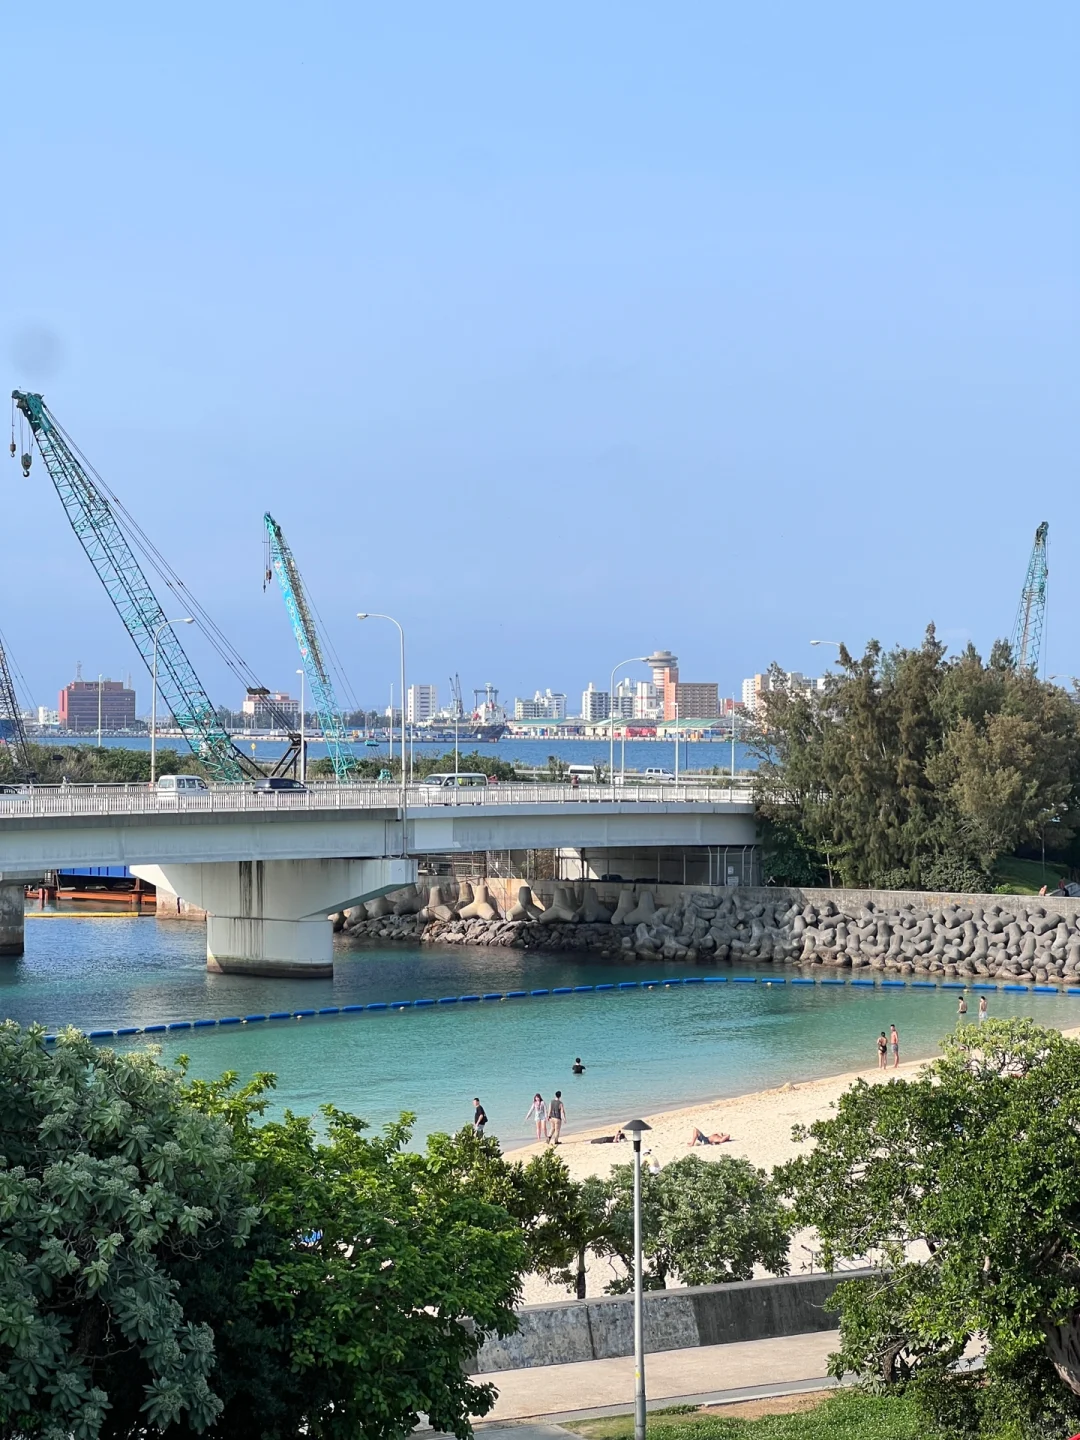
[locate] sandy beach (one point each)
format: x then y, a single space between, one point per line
760 1126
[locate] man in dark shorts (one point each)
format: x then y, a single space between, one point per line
479 1119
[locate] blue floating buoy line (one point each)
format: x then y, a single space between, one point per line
170 1026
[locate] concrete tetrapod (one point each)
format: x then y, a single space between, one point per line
593 913
481 908
561 908
526 907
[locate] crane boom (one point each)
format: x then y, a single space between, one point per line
113 559
12 730
1031 614
307 638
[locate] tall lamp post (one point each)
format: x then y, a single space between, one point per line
634 660
184 620
303 741
373 615
837 643
636 1128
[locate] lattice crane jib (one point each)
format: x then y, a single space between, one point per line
1031 613
284 566
109 551
12 730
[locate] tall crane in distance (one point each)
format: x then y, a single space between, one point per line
12 730
1031 612
282 563
103 528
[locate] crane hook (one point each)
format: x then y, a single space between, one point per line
13 449
27 457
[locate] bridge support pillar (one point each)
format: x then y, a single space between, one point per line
269 917
11 919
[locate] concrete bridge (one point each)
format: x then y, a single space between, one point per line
269 867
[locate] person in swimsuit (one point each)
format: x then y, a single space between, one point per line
882 1051
961 1010
984 1009
537 1113
556 1116
894 1046
698 1137
577 1068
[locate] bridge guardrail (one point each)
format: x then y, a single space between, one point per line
138 800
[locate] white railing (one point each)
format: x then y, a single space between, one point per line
140 800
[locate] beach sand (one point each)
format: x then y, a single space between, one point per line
759 1124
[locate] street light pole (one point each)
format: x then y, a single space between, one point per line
303 741
373 615
635 1128
185 620
634 660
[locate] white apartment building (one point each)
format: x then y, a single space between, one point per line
421 702
648 701
595 704
623 704
795 682
546 705
271 708
45 716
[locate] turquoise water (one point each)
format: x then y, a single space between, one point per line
645 1050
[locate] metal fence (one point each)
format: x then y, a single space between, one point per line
45 800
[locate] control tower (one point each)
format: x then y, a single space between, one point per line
663 661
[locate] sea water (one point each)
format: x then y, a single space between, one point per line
644 1050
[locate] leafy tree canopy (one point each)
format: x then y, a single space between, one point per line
911 768
171 1264
960 1188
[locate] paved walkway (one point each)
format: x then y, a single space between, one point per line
706 1374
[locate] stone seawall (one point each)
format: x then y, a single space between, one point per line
1014 937
575 1330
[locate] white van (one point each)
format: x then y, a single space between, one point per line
180 784
583 772
463 780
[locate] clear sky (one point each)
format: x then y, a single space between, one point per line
559 332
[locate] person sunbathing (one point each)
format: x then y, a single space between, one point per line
698 1137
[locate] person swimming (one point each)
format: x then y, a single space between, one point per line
577 1068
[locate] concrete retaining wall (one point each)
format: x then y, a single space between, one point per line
602 1329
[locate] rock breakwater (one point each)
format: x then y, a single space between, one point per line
1026 941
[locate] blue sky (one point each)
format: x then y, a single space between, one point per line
558 332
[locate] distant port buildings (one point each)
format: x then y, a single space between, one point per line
658 707
421 704
84 704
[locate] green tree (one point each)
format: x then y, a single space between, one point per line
911 769
112 1187
87 765
960 1189
367 1284
703 1221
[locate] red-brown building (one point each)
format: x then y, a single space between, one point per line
79 702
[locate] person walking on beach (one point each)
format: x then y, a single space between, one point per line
479 1117
882 1051
556 1116
537 1113
983 1009
894 1046
961 1010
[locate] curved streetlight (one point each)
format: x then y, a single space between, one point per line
374 615
838 643
634 660
183 620
635 1129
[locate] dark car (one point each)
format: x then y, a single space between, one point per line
277 782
